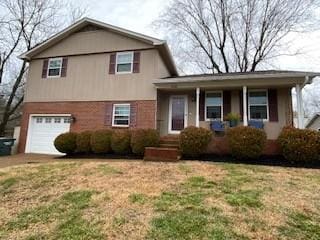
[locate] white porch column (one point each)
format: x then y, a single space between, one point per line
245 114
300 114
197 106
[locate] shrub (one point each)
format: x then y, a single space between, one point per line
142 138
83 142
246 142
100 141
194 141
299 145
66 143
120 141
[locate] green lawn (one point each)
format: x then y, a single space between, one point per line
137 200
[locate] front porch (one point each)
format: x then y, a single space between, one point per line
197 101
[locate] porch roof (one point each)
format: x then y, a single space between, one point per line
237 79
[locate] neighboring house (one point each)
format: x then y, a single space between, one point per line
93 75
314 122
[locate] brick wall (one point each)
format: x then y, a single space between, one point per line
88 115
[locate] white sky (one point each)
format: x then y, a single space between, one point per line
137 15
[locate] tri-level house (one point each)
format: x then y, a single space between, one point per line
94 75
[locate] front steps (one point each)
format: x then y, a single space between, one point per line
168 151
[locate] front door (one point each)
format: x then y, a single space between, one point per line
178 109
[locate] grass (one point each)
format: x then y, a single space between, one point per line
137 200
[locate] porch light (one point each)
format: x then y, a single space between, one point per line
72 119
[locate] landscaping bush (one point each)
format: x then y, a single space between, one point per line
66 143
120 142
142 138
194 141
100 141
246 142
83 142
299 145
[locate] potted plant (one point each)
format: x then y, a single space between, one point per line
233 119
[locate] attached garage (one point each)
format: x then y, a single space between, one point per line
42 131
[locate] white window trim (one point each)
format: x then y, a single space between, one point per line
113 114
124 53
267 105
54 59
205 105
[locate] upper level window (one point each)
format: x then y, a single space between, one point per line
124 62
213 105
258 105
54 67
121 115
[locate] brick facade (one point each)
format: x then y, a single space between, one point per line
88 115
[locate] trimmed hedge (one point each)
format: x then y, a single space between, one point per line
100 141
142 138
120 141
299 145
246 142
83 142
66 142
194 141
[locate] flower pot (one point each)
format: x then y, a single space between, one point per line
233 123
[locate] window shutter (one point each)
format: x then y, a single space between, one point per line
133 115
226 104
136 62
64 67
45 68
202 105
273 105
112 63
241 104
108 114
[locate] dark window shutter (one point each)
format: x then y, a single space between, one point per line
273 105
241 104
226 103
45 68
64 67
112 63
136 62
202 105
133 115
108 114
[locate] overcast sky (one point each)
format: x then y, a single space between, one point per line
137 15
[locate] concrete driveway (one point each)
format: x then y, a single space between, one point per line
18 159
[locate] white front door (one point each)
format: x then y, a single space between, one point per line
178 113
42 132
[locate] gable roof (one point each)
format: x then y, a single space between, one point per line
161 45
314 118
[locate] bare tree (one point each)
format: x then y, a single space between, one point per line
233 35
24 24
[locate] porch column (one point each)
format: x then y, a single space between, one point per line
245 115
197 106
300 114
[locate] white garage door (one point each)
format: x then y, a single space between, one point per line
42 132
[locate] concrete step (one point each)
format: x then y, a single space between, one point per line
161 154
169 145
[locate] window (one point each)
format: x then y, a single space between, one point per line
121 115
38 120
57 120
258 105
213 105
54 67
48 120
124 62
67 120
